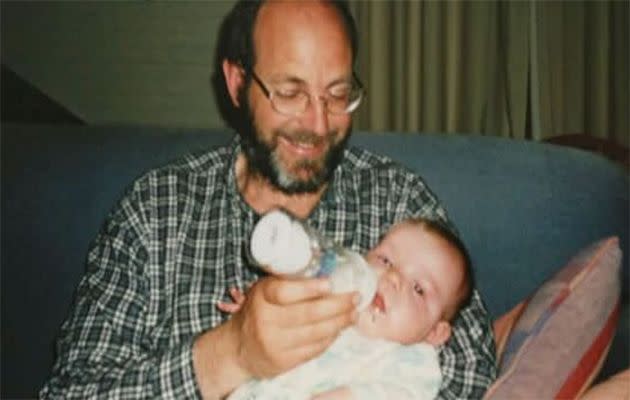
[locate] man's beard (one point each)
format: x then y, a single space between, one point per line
264 160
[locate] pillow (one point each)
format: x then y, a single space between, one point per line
558 343
503 325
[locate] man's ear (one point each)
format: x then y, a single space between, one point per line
440 333
234 79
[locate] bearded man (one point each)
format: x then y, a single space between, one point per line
145 322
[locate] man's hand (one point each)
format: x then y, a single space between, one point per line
280 324
283 323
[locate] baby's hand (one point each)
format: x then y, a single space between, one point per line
239 299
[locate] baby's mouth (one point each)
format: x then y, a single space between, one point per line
379 303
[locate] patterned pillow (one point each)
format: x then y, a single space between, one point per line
557 345
503 326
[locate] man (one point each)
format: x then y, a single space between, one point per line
145 322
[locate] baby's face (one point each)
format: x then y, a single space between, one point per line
419 275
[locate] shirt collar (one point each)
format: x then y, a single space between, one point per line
335 192
237 201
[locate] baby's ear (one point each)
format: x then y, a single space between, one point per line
440 333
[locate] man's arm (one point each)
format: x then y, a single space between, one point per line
105 347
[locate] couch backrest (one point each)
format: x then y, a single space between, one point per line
522 208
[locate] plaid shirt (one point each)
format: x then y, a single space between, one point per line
175 244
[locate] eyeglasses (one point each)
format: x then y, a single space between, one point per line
342 98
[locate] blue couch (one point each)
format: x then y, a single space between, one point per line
523 209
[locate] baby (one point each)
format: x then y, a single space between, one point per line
424 279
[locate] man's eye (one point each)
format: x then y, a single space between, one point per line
287 93
341 93
418 289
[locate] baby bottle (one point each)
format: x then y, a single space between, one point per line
284 245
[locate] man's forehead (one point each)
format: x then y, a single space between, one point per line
281 22
307 9
302 40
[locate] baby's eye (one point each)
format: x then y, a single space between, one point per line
418 289
385 261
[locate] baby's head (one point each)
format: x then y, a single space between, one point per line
424 279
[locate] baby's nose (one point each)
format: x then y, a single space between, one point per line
393 276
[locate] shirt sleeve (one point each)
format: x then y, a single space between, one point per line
105 348
468 359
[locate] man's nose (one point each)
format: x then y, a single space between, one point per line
316 116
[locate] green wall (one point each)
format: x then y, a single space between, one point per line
144 62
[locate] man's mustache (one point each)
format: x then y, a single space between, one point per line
307 137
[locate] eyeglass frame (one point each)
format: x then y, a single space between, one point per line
269 95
